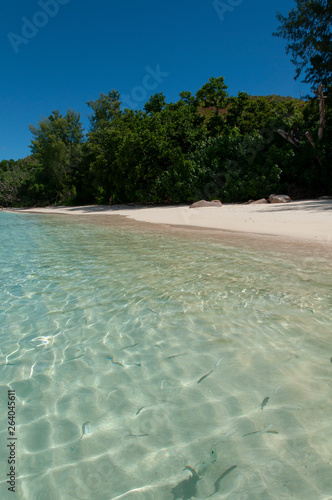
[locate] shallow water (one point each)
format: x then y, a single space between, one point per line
134 354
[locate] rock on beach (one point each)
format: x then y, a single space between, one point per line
204 203
279 198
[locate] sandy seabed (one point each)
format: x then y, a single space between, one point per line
193 330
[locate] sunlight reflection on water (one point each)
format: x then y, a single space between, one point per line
135 355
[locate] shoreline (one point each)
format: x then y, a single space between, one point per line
305 223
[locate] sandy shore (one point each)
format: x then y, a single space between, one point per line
302 220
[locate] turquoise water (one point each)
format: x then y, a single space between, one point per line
152 366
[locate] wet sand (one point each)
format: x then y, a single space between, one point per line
294 225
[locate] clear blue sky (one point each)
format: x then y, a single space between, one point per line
59 54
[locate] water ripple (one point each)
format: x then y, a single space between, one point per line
135 355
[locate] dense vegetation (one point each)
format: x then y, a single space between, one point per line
206 146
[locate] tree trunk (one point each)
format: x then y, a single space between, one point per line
321 111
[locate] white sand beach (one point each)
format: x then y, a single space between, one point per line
309 220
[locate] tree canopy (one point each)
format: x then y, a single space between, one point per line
104 109
308 30
208 145
57 146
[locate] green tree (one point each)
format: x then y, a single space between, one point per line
153 154
155 104
249 113
100 146
107 107
307 28
234 167
58 147
213 95
146 155
15 178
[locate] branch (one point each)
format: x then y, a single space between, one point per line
310 139
289 138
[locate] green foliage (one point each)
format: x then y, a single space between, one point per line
308 31
307 169
205 146
14 175
213 96
58 147
100 147
104 109
249 113
155 104
237 168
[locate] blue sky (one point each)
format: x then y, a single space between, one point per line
59 54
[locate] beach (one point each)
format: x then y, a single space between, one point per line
307 221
